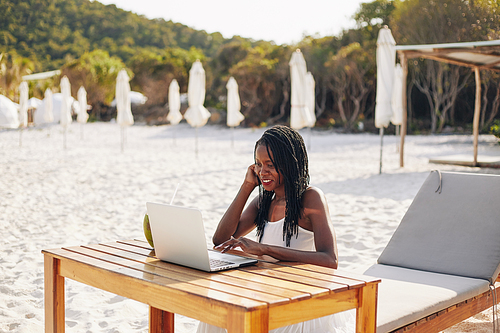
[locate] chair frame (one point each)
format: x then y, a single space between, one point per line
454 314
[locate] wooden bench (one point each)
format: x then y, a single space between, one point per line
442 263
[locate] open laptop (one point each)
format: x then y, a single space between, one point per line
179 238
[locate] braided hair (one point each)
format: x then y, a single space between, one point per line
289 157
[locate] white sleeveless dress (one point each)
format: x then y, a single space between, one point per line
344 322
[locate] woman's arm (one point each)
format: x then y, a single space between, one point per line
235 221
315 211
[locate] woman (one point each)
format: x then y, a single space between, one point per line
292 218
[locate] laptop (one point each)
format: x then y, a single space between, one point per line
179 238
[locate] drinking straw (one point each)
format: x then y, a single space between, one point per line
171 201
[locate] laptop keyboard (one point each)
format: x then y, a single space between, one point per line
219 263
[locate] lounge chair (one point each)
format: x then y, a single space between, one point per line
441 264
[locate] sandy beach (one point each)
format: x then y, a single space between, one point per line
91 192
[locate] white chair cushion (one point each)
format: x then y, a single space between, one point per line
407 295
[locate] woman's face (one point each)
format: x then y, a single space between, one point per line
269 176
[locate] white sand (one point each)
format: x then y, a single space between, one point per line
91 192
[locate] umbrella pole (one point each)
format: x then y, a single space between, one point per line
398 127
174 135
122 132
196 143
232 136
381 144
64 137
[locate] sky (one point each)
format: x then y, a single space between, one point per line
281 21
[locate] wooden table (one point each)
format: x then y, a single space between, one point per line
249 299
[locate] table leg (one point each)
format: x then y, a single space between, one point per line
240 321
160 321
366 314
54 295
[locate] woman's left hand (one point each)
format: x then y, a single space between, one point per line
246 245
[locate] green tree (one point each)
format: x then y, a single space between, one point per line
442 21
256 78
375 13
317 51
12 68
155 70
351 81
53 32
228 55
96 71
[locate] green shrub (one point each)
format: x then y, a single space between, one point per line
495 129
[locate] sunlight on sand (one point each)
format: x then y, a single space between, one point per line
91 192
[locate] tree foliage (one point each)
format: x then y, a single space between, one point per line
91 42
351 80
154 70
443 21
96 71
12 68
51 32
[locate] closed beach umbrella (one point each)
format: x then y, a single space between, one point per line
300 116
196 115
397 96
311 97
23 104
54 103
66 102
124 115
65 106
48 103
386 60
174 103
397 99
83 116
234 116
310 103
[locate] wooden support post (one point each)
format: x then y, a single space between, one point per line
160 321
54 296
240 321
477 110
404 66
366 315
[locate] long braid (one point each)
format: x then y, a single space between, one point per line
290 159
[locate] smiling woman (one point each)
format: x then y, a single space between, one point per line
292 218
281 172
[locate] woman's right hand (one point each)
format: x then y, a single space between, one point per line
251 177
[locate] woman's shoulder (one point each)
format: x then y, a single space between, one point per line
313 196
313 191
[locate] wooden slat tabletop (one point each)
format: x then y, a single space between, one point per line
288 271
266 285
